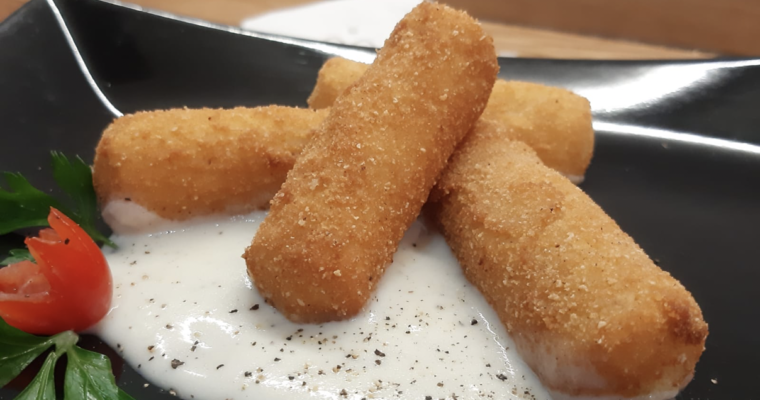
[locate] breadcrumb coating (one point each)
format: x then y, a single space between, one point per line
334 77
335 224
184 163
590 313
555 122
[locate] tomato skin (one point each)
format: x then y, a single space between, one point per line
70 287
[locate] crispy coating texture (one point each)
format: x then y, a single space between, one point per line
336 222
184 163
335 76
555 122
589 311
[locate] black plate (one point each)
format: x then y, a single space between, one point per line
677 160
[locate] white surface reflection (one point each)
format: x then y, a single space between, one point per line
646 86
683 137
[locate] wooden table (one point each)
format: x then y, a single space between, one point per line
509 38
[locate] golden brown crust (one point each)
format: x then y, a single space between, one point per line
361 182
590 312
183 163
555 122
335 76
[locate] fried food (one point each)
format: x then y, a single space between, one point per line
335 224
335 76
555 122
590 313
184 163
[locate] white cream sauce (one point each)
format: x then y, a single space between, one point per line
185 316
128 217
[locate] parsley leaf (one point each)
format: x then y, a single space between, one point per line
75 178
17 350
88 376
24 206
42 386
17 255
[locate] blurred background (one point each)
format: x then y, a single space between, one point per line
591 29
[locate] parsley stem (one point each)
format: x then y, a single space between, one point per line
64 341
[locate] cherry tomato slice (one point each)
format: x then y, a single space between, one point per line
69 288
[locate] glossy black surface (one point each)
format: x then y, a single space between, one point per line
692 204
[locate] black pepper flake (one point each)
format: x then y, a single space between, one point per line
428 397
169 326
151 347
379 353
440 384
502 377
378 362
66 241
175 363
248 374
233 311
291 377
127 199
474 322
343 393
255 307
488 365
289 337
219 366
387 318
276 359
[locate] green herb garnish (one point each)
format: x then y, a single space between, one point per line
88 374
17 255
24 206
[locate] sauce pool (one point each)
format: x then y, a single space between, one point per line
185 315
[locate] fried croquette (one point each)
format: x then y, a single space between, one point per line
334 77
333 227
555 122
590 313
184 163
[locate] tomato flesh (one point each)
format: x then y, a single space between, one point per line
70 287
